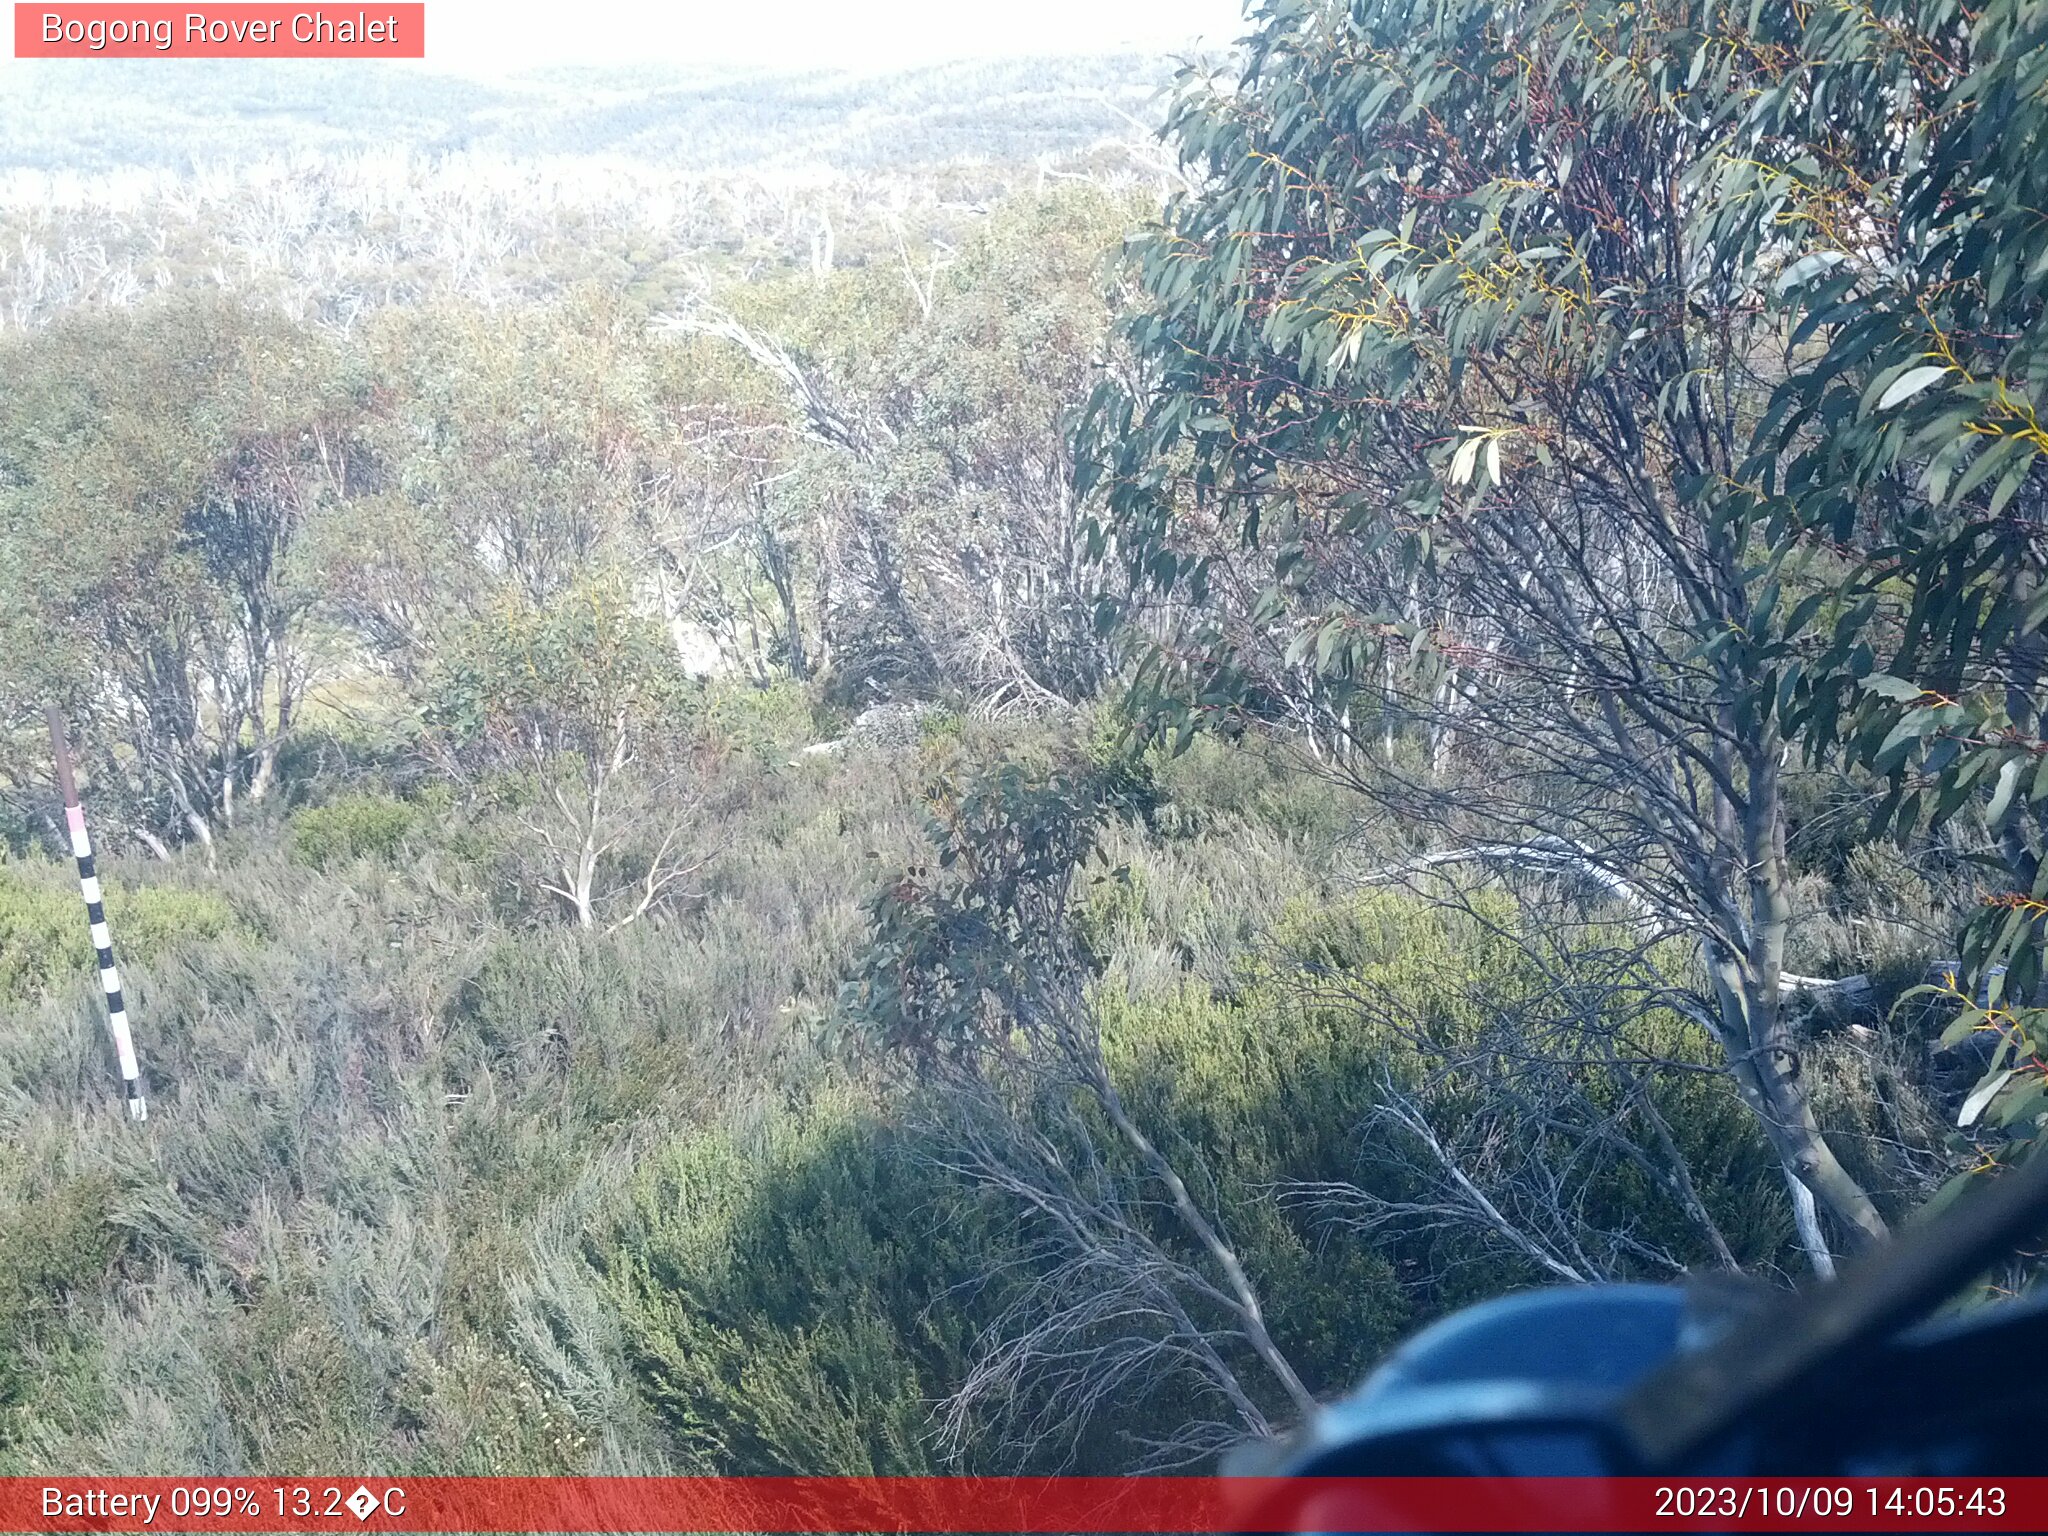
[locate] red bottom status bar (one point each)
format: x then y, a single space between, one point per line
1018 1506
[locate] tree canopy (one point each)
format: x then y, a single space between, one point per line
1537 375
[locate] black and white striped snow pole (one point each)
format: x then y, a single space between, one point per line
96 915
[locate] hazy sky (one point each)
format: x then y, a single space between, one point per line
492 35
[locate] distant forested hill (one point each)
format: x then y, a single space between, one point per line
75 116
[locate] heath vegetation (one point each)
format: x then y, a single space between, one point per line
999 800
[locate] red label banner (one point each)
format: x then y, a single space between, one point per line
1021 1506
376 31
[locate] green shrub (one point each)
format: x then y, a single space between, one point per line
481 1414
798 1306
1246 1100
43 933
1459 1012
1216 781
295 1384
759 722
353 827
1111 910
151 920
940 724
53 1248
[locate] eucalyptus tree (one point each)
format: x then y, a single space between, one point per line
166 473
1909 435
573 714
924 480
527 436
1451 365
